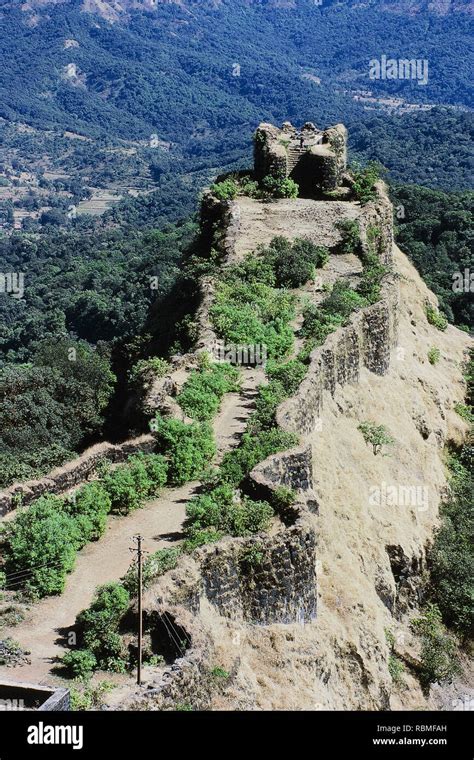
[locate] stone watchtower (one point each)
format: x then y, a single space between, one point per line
315 159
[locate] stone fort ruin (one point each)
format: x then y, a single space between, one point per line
315 159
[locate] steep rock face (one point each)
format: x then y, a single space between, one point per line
370 546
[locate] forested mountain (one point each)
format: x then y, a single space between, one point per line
201 80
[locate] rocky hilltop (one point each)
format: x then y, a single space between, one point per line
306 626
309 612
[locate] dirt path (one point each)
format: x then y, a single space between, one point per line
160 521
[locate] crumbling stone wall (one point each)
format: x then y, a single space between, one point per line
366 342
270 154
72 473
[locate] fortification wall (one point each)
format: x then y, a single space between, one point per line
72 473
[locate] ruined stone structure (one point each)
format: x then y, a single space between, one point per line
315 159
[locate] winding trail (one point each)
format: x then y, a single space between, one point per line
44 631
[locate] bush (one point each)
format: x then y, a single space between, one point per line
99 626
350 232
199 538
289 375
89 506
89 696
268 399
318 324
249 310
201 394
155 474
189 448
158 564
42 542
127 488
279 187
254 448
376 435
283 498
396 669
343 300
434 355
439 663
223 512
80 663
435 318
372 275
294 263
147 370
225 190
465 412
364 181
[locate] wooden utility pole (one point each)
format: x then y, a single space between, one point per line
139 553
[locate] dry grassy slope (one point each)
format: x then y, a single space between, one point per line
340 660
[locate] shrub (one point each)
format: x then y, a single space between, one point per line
252 557
279 187
343 300
364 180
199 538
89 506
434 355
249 310
222 511
203 391
435 318
376 435
225 190
79 663
289 375
283 498
465 412
126 488
89 696
350 232
42 542
189 448
439 663
252 313
146 370
372 275
251 188
158 564
254 448
156 470
294 263
99 624
268 399
219 672
318 324
396 669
